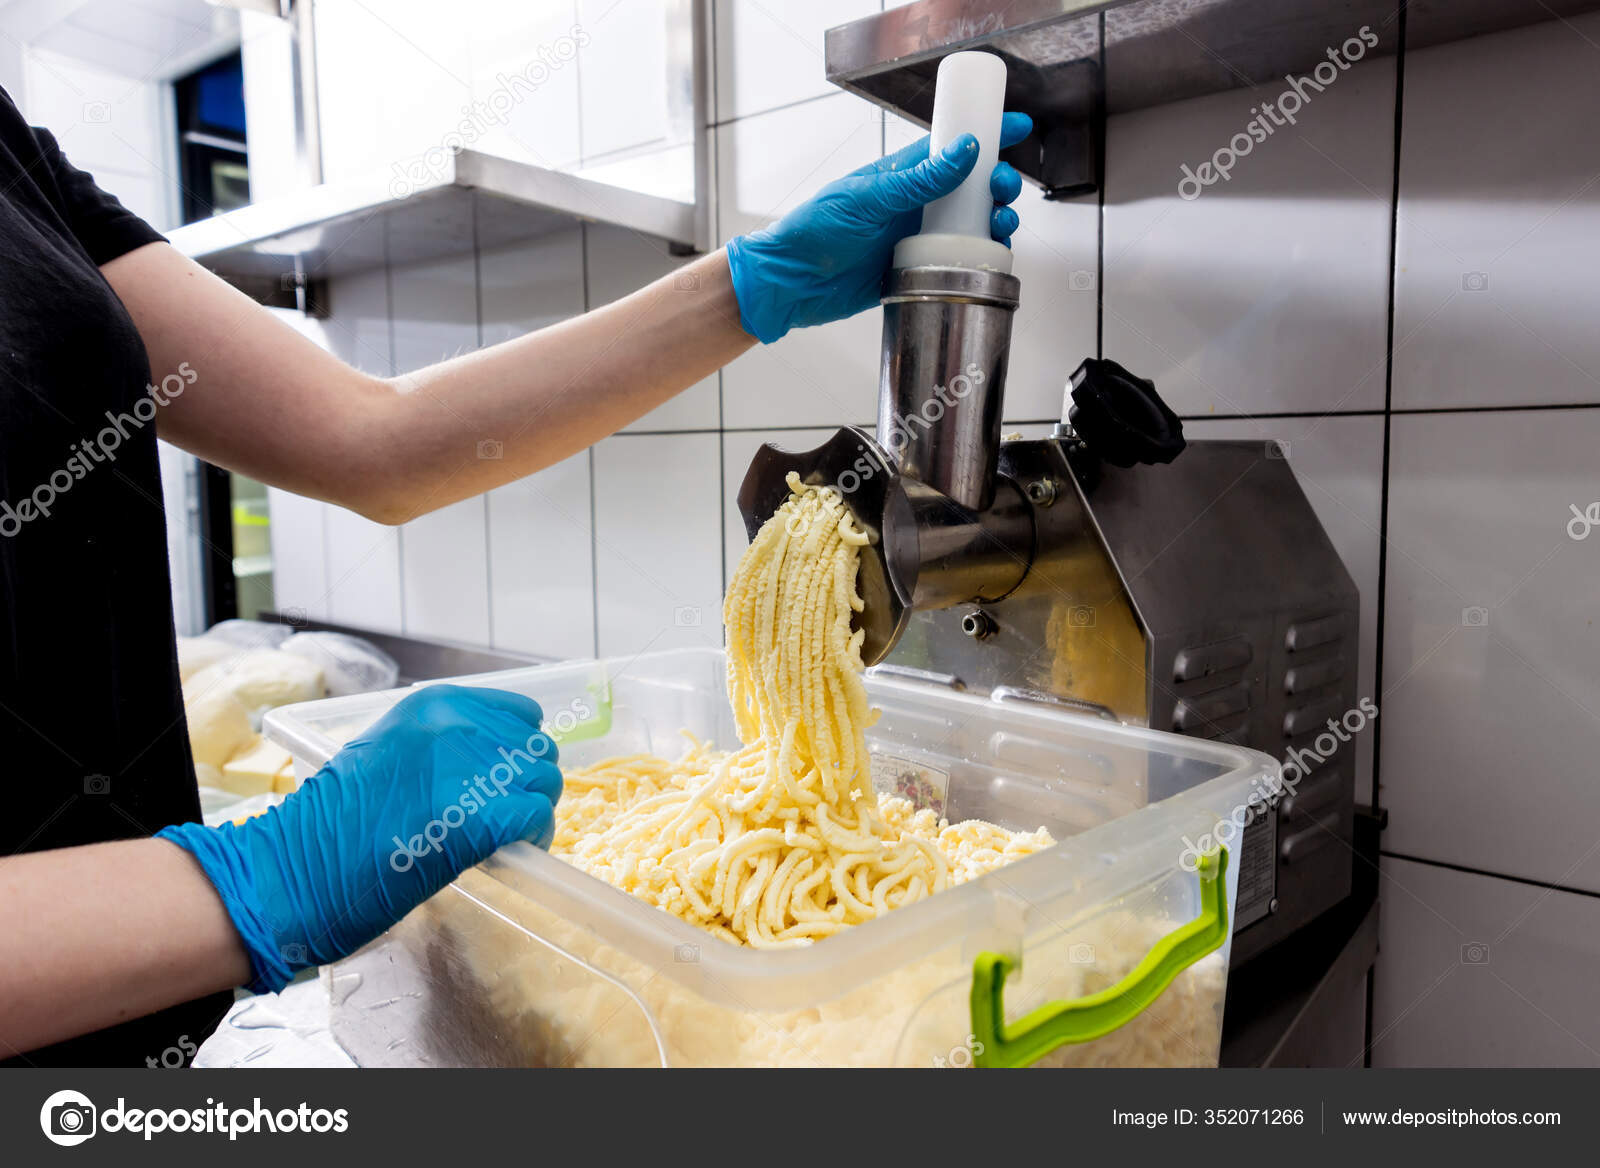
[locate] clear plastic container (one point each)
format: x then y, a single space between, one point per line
529 961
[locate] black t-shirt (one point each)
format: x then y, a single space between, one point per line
93 744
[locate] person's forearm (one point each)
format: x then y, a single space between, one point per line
547 395
247 392
96 935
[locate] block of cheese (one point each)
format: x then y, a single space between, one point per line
261 679
218 725
285 783
254 771
206 775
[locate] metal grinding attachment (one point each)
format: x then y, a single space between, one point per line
943 527
924 550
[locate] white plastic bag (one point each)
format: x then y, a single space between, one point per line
349 664
249 634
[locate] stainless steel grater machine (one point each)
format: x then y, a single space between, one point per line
1111 568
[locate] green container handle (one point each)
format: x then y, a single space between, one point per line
598 725
996 1043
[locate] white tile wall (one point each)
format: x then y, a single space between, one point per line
267 52
445 563
667 171
530 285
107 124
541 572
1056 252
546 83
769 53
1269 292
362 579
507 38
767 164
624 61
358 329
1499 228
622 261
369 122
1476 971
658 542
1491 644
363 569
11 69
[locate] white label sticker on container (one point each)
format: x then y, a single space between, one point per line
925 786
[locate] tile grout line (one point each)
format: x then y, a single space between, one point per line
788 105
1280 415
1383 478
1388 397
1487 874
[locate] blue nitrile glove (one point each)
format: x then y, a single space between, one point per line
826 259
433 787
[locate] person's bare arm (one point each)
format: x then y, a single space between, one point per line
96 935
269 403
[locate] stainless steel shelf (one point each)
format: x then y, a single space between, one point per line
1154 52
341 228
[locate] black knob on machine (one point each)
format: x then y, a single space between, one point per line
1120 417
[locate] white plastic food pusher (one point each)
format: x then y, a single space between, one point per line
969 97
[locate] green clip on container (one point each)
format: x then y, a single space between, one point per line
1109 949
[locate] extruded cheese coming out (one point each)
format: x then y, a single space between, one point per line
254 771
